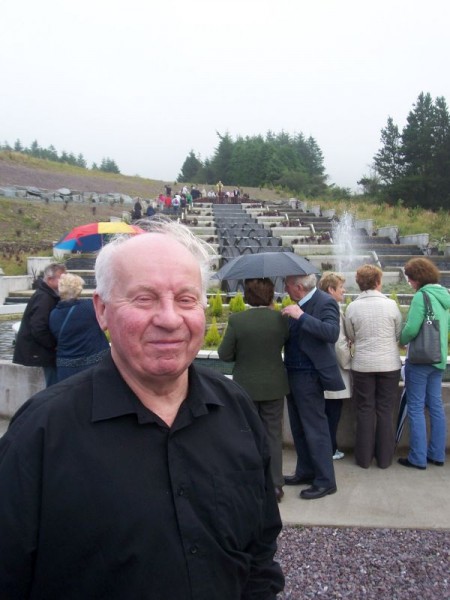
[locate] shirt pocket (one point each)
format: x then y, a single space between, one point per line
240 498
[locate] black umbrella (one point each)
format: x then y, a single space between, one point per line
265 264
402 412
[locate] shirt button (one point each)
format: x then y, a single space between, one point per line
180 491
193 549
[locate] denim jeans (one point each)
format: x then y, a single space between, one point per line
424 390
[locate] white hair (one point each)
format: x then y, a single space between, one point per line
163 226
70 286
307 281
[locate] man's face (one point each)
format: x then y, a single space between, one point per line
293 288
53 281
155 317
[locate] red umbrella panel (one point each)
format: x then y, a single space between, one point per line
91 237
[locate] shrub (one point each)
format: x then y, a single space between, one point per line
286 301
215 305
212 337
237 303
393 296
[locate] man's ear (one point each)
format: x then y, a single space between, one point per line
100 311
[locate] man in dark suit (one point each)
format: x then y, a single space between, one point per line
310 360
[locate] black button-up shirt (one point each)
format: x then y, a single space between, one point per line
101 499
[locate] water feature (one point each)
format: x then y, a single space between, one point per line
344 243
6 339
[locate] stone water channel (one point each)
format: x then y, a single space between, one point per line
6 339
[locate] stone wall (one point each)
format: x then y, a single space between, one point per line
18 383
13 283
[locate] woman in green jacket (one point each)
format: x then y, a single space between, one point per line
424 382
254 340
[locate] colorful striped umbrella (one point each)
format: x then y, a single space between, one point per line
91 237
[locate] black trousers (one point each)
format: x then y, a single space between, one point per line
309 427
271 414
375 395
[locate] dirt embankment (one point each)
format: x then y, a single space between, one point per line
13 174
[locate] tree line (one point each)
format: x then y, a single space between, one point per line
412 166
290 162
107 165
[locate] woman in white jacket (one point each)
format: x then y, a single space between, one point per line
373 323
333 284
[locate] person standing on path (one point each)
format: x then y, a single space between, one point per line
35 344
81 342
254 340
333 284
373 323
310 359
424 382
145 476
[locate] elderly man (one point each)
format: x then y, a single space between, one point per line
312 368
145 476
35 344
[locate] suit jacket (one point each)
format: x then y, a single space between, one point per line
254 339
312 338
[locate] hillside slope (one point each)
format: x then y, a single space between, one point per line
21 170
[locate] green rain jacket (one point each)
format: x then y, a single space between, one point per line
440 303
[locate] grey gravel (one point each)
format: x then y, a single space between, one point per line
357 563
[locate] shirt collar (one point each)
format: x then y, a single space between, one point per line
308 296
112 397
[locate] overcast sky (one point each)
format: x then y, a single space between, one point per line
145 82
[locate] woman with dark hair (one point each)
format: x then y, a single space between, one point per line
424 382
373 323
254 340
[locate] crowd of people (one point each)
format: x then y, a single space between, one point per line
182 201
138 474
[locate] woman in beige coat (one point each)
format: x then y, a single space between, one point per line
373 323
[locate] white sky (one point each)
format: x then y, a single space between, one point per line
145 82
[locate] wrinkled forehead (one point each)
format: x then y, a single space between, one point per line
154 255
150 246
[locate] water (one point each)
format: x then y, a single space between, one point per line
344 243
6 339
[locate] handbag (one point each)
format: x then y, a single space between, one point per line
425 348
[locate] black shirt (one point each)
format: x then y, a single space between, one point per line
101 499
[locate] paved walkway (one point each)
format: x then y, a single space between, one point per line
397 497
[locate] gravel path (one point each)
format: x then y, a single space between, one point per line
369 564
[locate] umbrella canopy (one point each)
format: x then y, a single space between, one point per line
265 264
91 237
